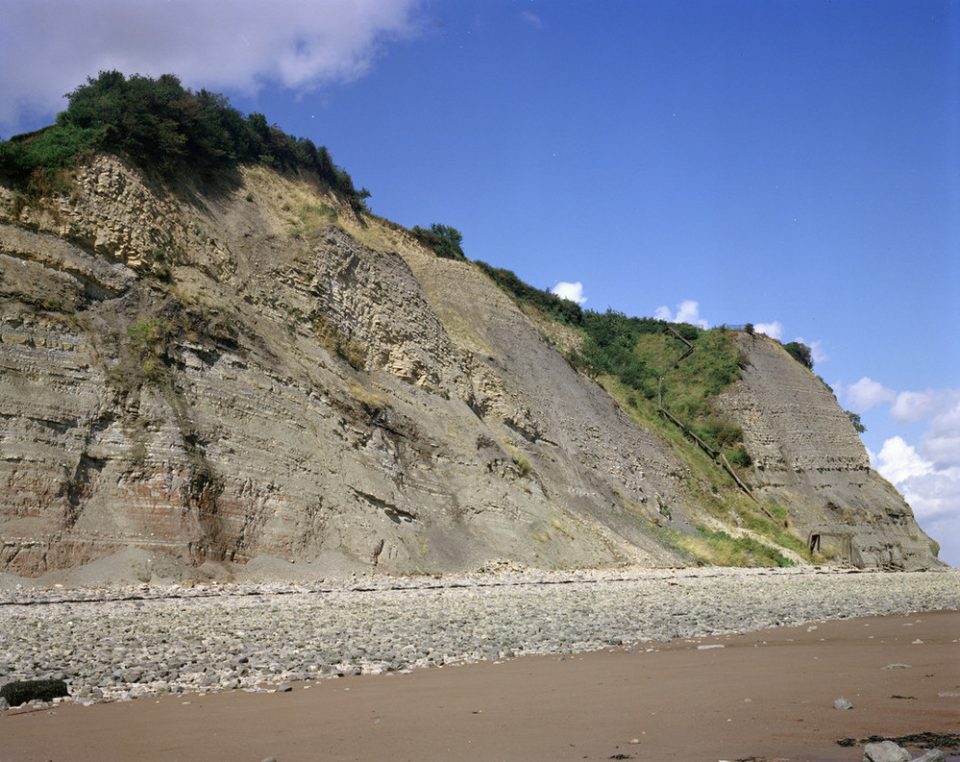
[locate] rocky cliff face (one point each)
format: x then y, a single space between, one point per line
258 372
229 378
809 459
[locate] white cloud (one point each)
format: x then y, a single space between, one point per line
49 47
866 394
572 291
688 311
774 330
934 495
898 461
941 443
929 475
941 407
933 492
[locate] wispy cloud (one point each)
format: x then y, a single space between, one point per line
688 311
572 291
49 47
532 19
914 406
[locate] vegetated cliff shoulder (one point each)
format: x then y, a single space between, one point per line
265 373
809 459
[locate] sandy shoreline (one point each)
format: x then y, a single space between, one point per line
766 694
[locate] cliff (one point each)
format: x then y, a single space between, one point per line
260 371
809 459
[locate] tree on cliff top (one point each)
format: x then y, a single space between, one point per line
165 128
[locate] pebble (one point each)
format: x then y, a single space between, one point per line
887 751
932 755
222 637
842 704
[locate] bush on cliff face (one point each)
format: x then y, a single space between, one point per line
855 420
562 310
445 241
163 127
801 353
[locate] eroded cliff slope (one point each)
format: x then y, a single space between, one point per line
260 371
237 375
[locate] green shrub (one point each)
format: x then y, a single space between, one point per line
738 456
720 432
445 241
855 420
523 465
149 336
562 310
165 128
801 353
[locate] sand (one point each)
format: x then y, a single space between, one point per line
766 694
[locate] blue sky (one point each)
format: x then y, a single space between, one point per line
794 164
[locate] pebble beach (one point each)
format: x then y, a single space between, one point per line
118 644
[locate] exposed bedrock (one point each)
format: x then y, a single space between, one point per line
260 372
809 459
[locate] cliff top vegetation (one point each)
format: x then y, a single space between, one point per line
165 129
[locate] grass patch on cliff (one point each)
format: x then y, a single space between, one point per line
720 549
520 461
631 366
311 219
708 484
780 530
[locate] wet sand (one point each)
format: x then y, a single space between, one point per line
766 694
